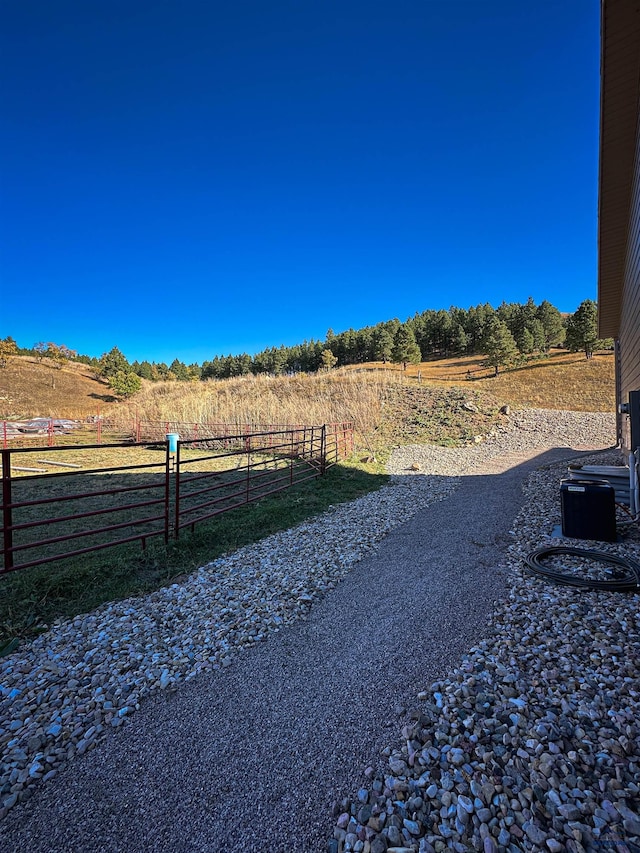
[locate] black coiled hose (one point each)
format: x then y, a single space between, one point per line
624 576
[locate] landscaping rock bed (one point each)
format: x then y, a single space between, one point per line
532 743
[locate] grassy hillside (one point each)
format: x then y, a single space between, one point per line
385 407
444 401
29 388
562 380
388 405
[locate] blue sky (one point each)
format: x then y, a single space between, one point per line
189 178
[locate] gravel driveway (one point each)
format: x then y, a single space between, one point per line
253 752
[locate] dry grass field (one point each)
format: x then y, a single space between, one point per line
334 397
29 389
563 380
427 402
371 396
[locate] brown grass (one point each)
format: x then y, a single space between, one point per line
334 397
562 380
29 389
425 401
368 395
569 383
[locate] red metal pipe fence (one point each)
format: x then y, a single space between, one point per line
271 462
74 504
46 513
91 429
64 431
191 430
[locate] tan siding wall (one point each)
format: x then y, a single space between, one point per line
630 314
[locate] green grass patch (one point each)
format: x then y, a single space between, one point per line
31 599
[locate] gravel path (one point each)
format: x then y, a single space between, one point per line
252 749
532 742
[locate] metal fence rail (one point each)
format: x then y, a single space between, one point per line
189 430
268 462
62 431
43 513
99 504
338 442
97 430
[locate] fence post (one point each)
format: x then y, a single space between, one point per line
4 435
166 497
7 522
248 451
176 478
323 449
50 432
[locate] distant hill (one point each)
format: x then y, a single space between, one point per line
29 388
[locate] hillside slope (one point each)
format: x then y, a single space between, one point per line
562 380
29 388
426 402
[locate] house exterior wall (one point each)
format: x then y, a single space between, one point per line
629 334
619 196
619 76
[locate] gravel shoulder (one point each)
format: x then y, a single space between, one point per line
236 744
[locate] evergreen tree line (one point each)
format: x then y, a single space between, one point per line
431 333
502 334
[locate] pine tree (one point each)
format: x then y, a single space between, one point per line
8 348
179 370
329 360
383 344
125 383
537 331
552 324
145 370
405 347
582 329
459 340
113 361
525 342
498 346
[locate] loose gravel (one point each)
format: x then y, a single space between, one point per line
532 742
64 692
